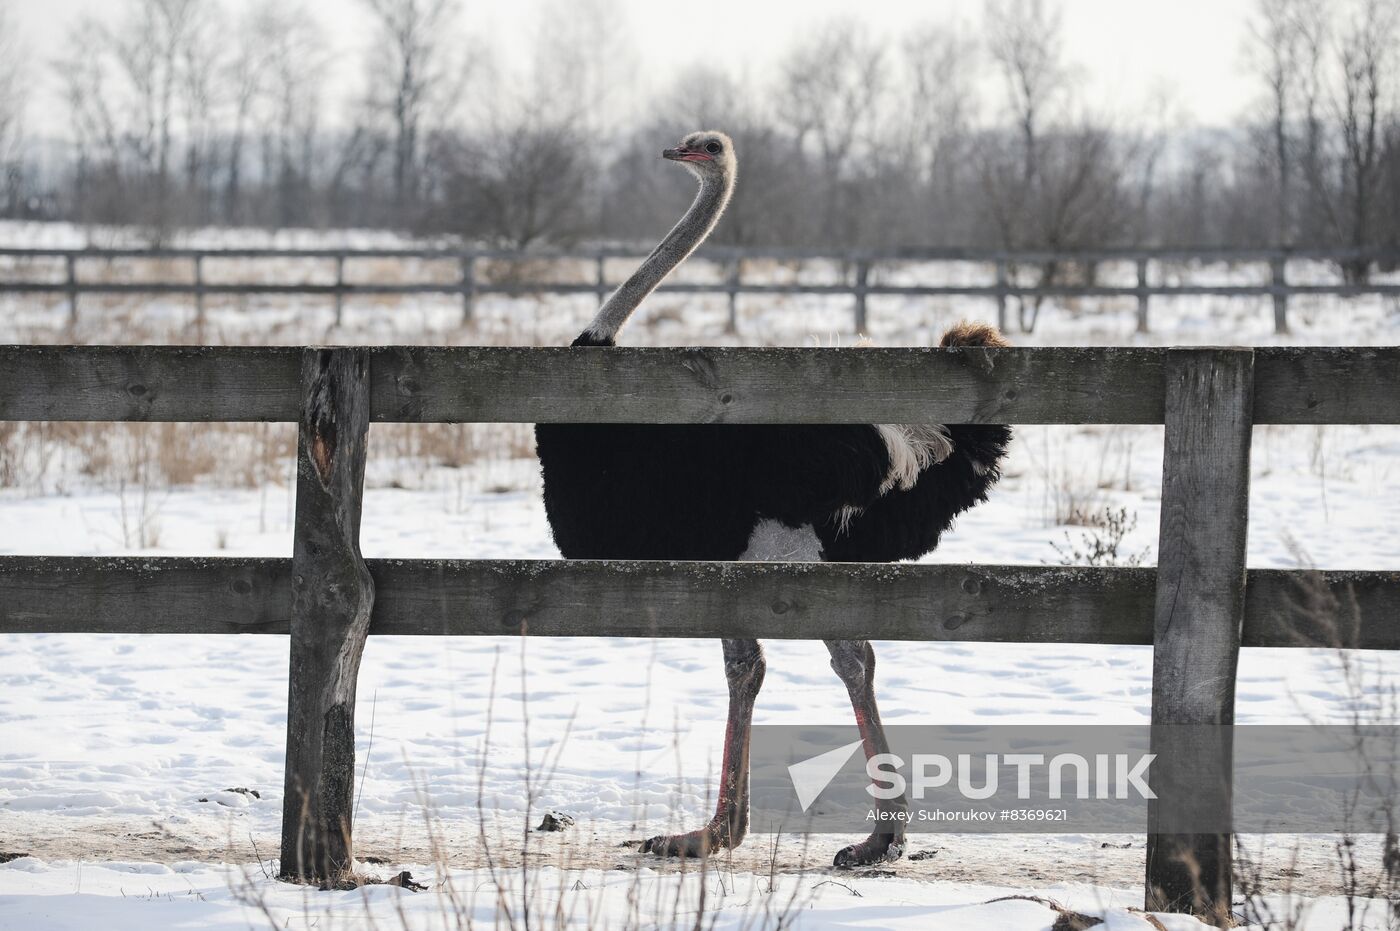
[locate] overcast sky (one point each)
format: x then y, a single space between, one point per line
1126 49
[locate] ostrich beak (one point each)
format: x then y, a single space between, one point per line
685 155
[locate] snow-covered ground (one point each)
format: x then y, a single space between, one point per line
142 896
120 755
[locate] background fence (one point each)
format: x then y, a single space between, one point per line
1197 608
1024 276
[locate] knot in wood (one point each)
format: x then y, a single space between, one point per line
699 364
954 622
323 455
972 586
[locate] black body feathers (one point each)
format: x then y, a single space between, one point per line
696 491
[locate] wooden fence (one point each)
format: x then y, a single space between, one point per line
1197 608
863 274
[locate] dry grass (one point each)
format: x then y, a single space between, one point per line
48 458
511 886
1101 543
137 460
142 459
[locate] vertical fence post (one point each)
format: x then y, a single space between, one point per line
1001 295
1142 295
332 594
1196 634
199 295
733 273
339 289
468 264
862 280
1278 274
600 277
72 268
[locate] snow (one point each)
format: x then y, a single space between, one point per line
137 896
119 755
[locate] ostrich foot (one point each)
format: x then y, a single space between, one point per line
877 848
694 844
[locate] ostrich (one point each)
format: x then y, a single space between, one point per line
841 493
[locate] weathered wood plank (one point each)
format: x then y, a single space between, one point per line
795 601
1333 609
199 595
497 383
998 291
505 384
1126 254
155 383
1199 617
732 385
1352 384
144 595
592 598
332 594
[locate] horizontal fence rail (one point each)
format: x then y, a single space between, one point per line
861 273
1228 254
491 384
619 598
1197 608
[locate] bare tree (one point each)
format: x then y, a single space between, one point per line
1025 40
243 76
289 107
582 77
1025 44
533 169
178 115
86 79
133 88
1313 23
830 83
938 70
583 63
1366 53
520 184
201 98
1060 182
11 114
1276 49
150 48
411 50
831 87
935 107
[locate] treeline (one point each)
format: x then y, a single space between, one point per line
186 113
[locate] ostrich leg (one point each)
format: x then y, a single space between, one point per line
744 668
854 662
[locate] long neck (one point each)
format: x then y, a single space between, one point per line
682 240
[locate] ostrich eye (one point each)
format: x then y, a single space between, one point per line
713 147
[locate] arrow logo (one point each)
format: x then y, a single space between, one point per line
811 776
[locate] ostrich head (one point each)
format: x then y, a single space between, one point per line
708 154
